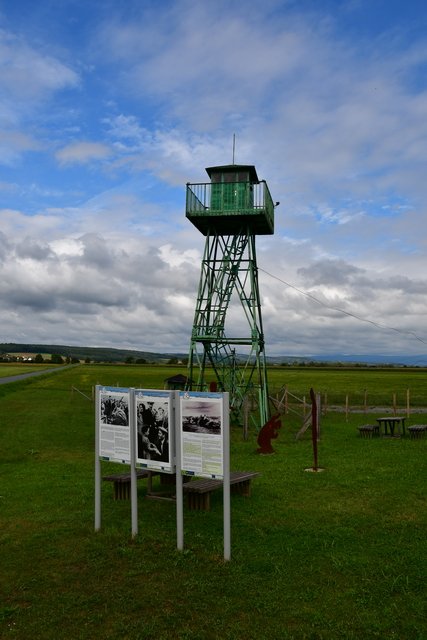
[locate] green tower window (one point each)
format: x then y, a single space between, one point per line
231 191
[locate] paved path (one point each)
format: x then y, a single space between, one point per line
22 376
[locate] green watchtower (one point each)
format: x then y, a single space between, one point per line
230 211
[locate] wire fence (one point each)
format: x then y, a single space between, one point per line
395 403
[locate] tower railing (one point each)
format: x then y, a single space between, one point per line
229 198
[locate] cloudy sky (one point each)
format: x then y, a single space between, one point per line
108 108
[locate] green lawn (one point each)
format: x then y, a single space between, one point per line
335 555
16 368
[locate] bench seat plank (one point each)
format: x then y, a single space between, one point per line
199 491
122 482
417 430
369 430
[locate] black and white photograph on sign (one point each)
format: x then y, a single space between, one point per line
115 409
201 415
114 424
152 428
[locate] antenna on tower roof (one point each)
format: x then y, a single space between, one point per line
234 145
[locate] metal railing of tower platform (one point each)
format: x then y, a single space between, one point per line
232 198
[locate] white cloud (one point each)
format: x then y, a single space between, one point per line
29 79
175 258
337 129
28 76
26 72
332 122
82 153
13 144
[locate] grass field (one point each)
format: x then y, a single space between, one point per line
379 385
340 554
16 368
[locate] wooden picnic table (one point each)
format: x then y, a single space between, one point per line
390 422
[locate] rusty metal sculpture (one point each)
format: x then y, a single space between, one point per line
268 433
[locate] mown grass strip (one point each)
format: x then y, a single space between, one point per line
339 554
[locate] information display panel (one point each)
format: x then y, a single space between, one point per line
201 433
154 430
114 425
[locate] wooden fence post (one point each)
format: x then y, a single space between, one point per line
314 425
365 406
408 403
346 407
394 404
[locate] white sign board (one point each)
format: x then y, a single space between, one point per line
114 424
201 433
155 431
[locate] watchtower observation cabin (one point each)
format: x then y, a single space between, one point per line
234 200
230 210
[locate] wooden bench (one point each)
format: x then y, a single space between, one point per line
122 482
417 430
369 430
199 491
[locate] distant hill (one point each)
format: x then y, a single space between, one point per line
372 360
400 360
105 354
96 354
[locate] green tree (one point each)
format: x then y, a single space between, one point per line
56 358
39 358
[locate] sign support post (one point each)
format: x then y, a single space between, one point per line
179 481
133 479
97 464
226 479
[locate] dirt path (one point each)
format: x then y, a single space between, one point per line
23 376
